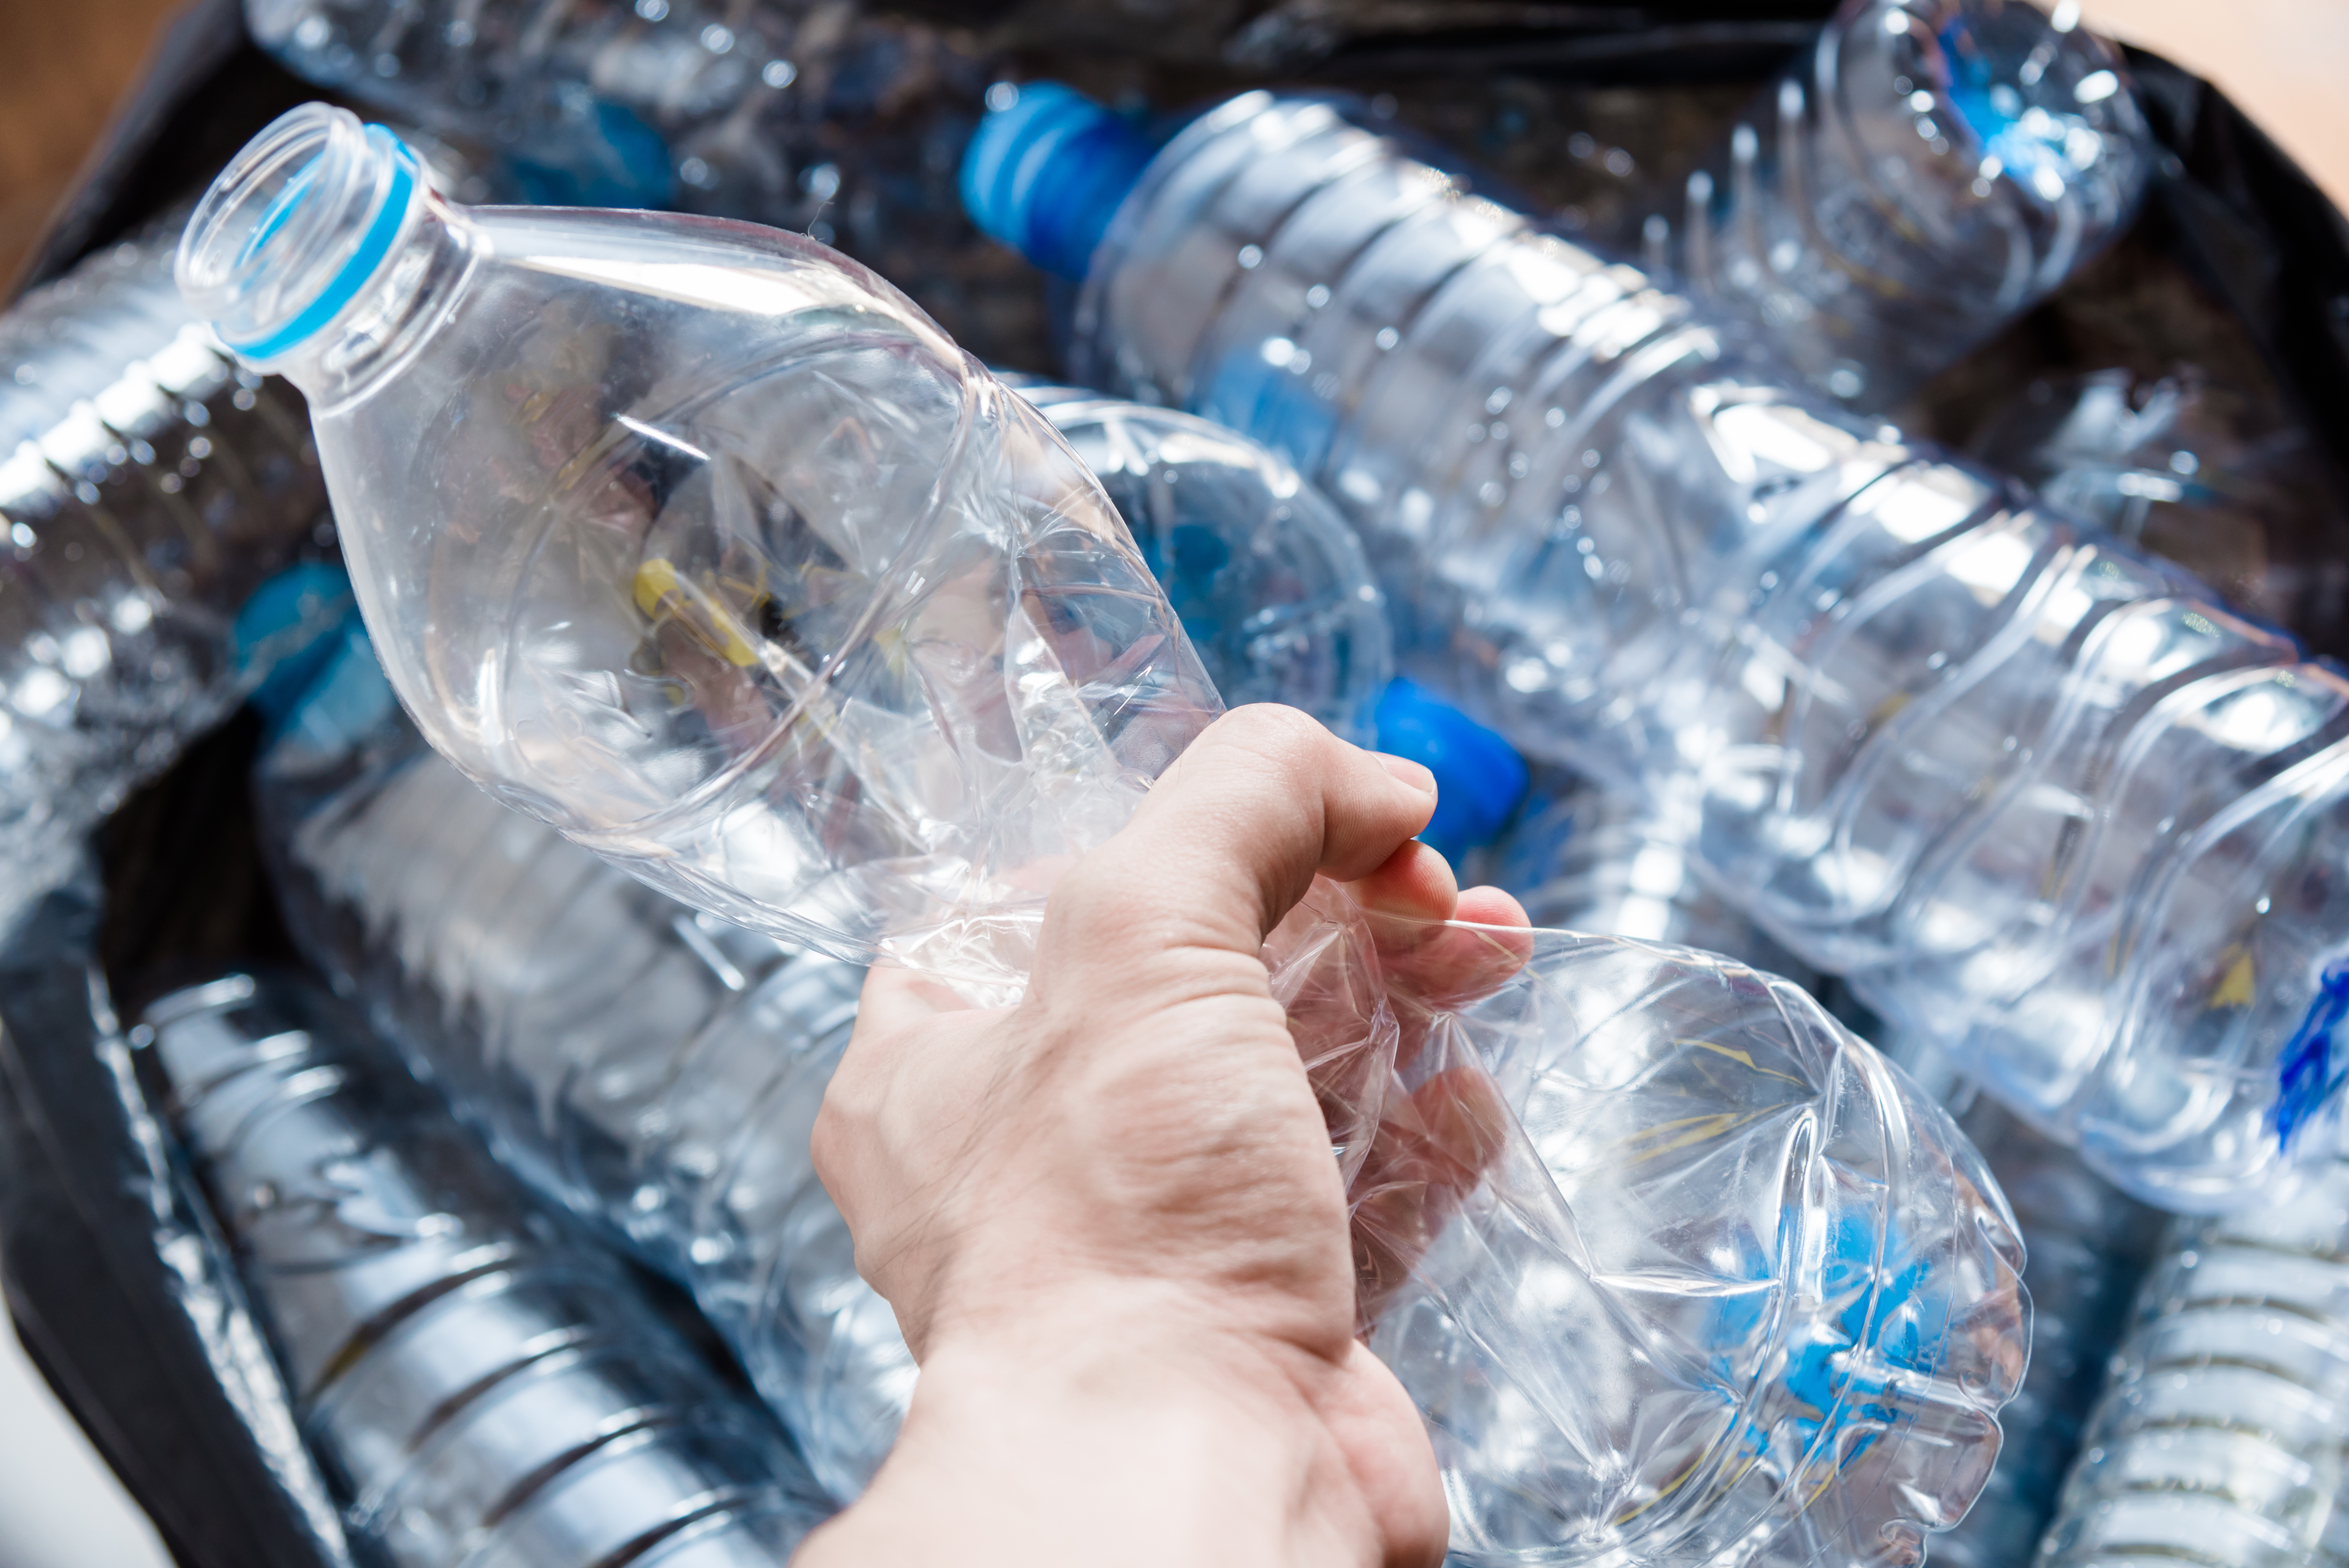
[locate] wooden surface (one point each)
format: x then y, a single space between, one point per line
63 64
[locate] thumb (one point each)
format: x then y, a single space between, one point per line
1233 835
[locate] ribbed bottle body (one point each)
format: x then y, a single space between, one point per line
652 1069
148 485
2037 797
2221 1432
484 1387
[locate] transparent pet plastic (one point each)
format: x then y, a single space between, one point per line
653 1069
148 485
1269 582
681 535
832 117
1607 862
699 543
1920 176
2041 801
484 1387
661 1073
2088 1247
2220 1437
2190 469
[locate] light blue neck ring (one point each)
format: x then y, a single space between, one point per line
382 232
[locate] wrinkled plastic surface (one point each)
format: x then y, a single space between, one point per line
746 525
148 485
487 1388
1921 174
2220 1437
2088 1247
1849 1316
1268 581
2039 799
764 591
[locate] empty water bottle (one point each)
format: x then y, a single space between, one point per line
148 485
837 119
2220 1439
1268 580
653 1070
2041 801
486 1388
2194 469
1920 176
1597 860
702 544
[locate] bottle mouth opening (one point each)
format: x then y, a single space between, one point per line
294 229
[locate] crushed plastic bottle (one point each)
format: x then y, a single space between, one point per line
486 1388
2043 802
660 1072
1268 580
761 589
148 486
2192 469
1919 176
2087 1248
2219 1437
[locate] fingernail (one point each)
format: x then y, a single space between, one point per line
1408 771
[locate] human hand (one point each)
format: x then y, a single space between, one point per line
1108 1218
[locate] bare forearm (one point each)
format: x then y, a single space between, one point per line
1159 1450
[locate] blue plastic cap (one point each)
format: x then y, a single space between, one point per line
285 634
1046 172
1479 777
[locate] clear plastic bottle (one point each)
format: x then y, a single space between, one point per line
2041 801
1268 580
831 117
486 1387
2195 471
1920 176
700 543
659 1073
149 484
737 517
653 1070
1591 859
2087 1247
2219 1437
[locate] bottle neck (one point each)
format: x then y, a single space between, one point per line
391 314
322 254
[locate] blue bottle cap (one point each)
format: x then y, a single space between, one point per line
1046 170
346 700
1479 777
285 634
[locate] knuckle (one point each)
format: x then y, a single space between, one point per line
1285 736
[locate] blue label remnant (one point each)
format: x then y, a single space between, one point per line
2306 1076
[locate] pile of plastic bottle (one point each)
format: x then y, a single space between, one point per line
653 622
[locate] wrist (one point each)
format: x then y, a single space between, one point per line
1121 1420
